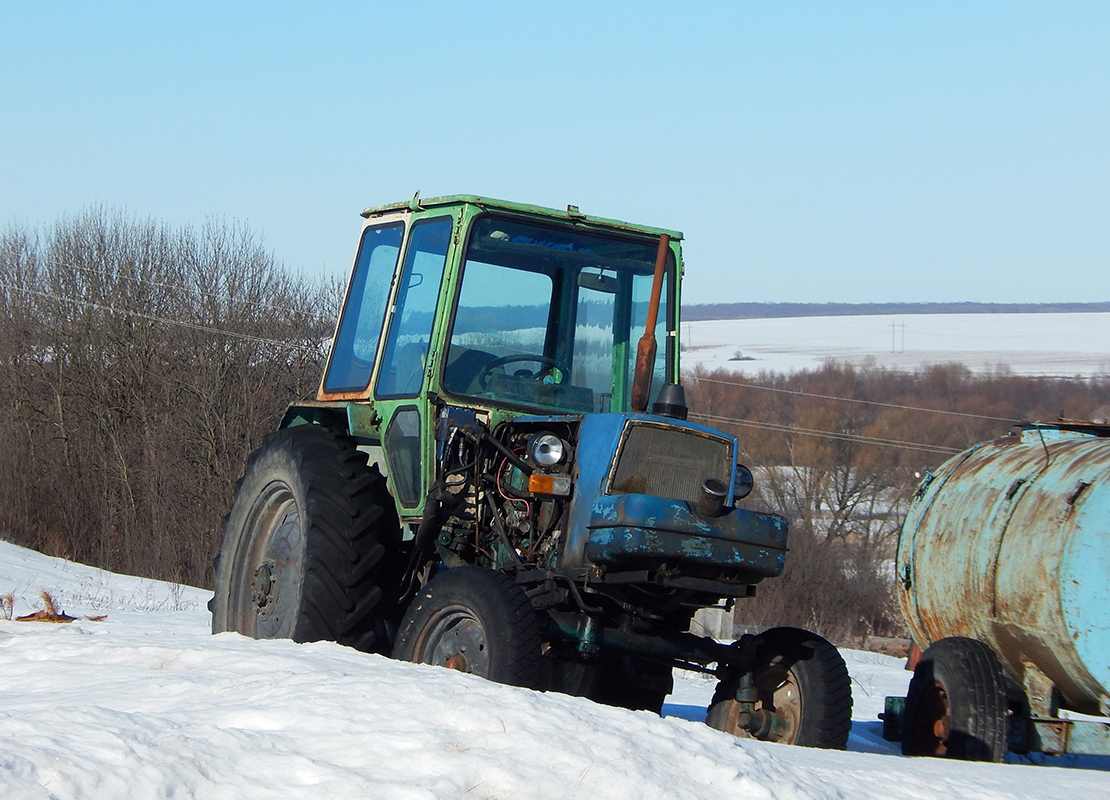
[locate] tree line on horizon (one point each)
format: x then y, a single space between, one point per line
711 311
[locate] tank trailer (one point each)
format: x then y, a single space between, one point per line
1002 569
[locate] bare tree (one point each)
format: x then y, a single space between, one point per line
839 450
142 364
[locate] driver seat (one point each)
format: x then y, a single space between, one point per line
463 368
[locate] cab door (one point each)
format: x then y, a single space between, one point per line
408 351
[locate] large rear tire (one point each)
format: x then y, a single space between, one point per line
956 705
805 693
305 544
474 620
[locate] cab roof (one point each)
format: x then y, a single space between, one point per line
571 214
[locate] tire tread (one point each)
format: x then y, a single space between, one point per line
828 688
348 527
976 688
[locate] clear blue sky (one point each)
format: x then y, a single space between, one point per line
810 151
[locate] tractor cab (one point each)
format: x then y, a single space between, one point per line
497 307
538 313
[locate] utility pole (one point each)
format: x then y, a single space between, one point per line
893 328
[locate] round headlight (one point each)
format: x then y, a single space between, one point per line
546 449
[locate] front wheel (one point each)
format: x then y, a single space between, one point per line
956 705
803 689
474 620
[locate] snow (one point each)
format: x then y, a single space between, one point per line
147 703
1050 344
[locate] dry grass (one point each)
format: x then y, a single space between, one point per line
48 613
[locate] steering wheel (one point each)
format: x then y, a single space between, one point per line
483 376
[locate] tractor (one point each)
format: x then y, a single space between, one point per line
498 476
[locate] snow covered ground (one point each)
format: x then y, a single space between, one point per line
147 704
1027 344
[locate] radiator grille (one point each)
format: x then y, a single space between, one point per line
669 462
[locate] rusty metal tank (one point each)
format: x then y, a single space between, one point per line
1009 543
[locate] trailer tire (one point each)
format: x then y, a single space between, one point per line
474 620
305 544
805 693
956 705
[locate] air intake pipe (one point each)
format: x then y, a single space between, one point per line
645 350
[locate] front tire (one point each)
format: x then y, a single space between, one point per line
805 693
956 705
474 620
305 543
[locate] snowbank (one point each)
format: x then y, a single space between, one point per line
147 703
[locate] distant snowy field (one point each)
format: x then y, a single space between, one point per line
1062 345
148 704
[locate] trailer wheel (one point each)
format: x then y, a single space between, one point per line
956 705
804 693
474 620
305 544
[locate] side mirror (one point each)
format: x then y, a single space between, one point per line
745 482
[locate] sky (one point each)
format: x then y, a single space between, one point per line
809 151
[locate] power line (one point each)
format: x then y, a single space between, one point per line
854 400
186 289
708 417
849 437
154 318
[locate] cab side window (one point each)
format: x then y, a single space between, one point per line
360 330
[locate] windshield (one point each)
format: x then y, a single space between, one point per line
550 316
